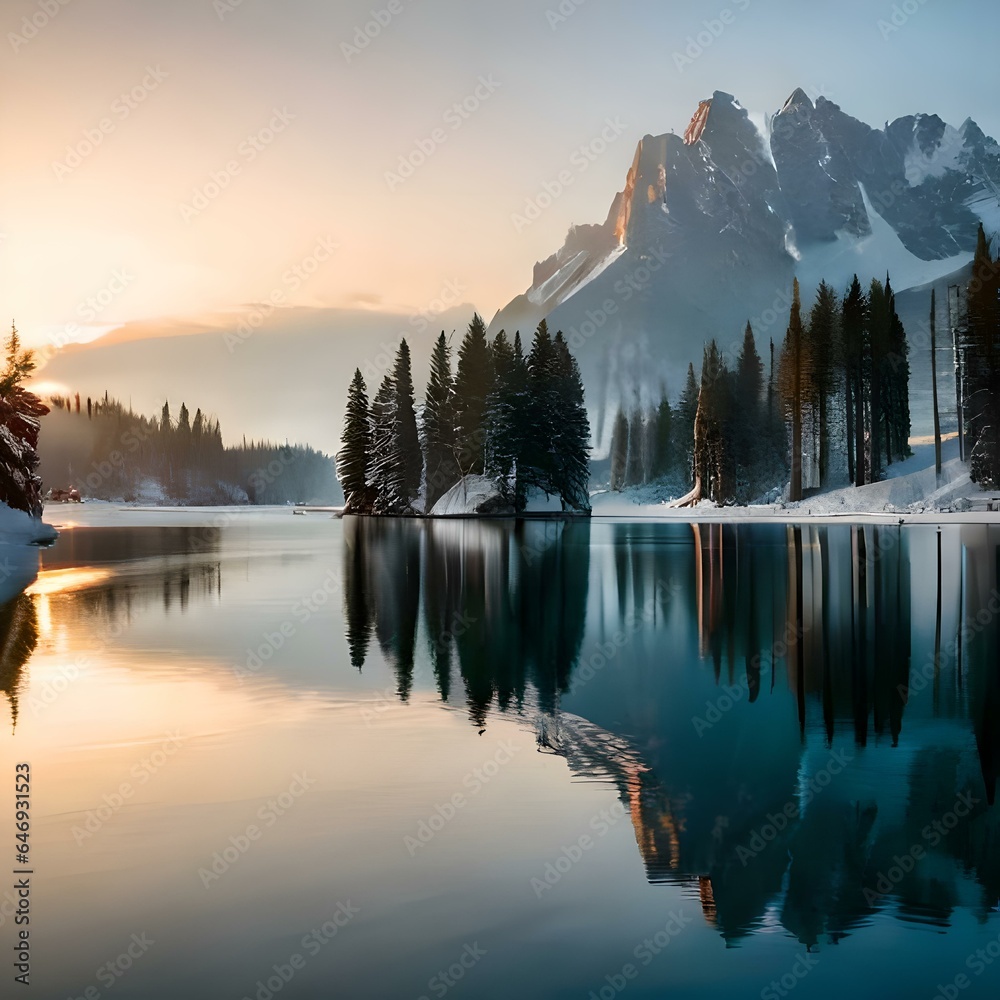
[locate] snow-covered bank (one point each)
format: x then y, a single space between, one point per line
20 536
20 528
910 491
479 496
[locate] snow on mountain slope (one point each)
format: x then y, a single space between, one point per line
881 252
712 225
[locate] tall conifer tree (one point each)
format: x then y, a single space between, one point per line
353 458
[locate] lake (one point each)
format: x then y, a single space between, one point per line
277 756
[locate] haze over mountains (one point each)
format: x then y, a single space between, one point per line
707 233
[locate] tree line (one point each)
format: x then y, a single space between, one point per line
978 344
832 408
110 452
20 414
516 419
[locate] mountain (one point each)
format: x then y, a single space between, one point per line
712 225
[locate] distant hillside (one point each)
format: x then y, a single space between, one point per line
108 451
286 381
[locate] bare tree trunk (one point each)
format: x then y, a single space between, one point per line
795 487
859 428
937 414
849 398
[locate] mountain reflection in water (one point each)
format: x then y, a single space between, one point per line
801 720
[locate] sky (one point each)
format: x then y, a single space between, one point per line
183 160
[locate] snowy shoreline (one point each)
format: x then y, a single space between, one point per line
911 493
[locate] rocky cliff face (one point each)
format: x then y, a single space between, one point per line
920 174
712 225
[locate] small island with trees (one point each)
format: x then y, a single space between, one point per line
505 435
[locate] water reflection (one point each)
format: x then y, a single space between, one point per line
503 607
18 639
107 576
802 721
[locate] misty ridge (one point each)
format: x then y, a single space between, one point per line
107 451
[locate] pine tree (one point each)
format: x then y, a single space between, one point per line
878 346
854 324
473 384
747 434
542 417
796 384
571 444
438 426
634 472
934 384
686 412
619 451
20 415
381 474
826 352
980 340
713 465
897 378
520 417
501 421
353 458
408 458
663 417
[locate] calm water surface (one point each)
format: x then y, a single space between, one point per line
297 757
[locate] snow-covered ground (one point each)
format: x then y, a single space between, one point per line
19 528
475 495
911 491
20 536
